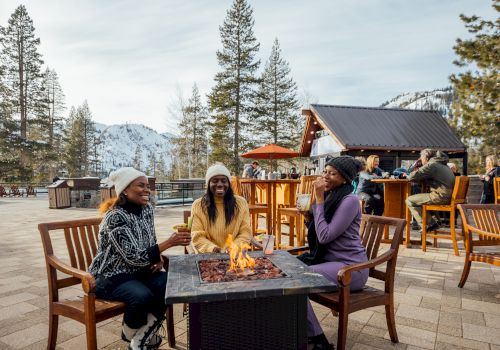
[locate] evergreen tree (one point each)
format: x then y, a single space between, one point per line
194 135
80 140
230 100
137 161
22 66
476 109
276 106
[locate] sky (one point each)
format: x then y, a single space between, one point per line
132 59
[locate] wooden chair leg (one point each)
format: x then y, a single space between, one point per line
465 272
454 232
391 322
53 325
342 332
170 326
277 243
293 228
424 229
90 324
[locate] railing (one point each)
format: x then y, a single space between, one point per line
178 192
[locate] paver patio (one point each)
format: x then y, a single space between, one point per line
431 311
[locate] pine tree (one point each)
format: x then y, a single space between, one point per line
22 64
476 109
137 161
80 140
230 100
193 140
276 106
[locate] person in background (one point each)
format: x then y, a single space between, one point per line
128 264
257 170
293 173
355 182
371 192
438 177
492 171
454 168
247 171
333 234
55 179
219 213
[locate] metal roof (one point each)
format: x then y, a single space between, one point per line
387 128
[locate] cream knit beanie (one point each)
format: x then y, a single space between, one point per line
122 177
217 169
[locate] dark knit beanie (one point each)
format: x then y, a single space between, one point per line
347 166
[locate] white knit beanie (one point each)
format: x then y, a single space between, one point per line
217 169
122 177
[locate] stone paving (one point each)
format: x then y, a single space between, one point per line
431 311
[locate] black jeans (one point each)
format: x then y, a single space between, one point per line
143 292
374 203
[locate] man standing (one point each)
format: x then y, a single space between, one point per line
257 170
438 177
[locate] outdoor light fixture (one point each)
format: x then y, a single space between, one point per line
308 141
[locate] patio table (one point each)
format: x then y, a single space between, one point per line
395 193
257 314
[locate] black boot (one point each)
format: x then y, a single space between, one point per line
320 342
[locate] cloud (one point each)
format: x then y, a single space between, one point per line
126 57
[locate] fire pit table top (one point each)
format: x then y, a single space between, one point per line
184 284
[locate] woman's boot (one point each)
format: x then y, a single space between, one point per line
146 337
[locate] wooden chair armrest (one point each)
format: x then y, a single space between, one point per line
344 274
484 233
296 250
88 280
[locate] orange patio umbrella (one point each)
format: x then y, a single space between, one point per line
270 151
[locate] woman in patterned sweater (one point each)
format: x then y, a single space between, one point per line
128 264
219 213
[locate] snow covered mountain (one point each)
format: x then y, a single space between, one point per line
123 143
436 100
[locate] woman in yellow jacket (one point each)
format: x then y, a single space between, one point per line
219 213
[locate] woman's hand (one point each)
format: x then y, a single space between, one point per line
158 266
182 238
319 189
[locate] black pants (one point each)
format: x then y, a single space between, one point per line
143 292
374 203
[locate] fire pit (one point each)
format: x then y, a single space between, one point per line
218 270
251 313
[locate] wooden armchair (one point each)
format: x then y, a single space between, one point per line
81 238
3 192
458 197
481 227
295 217
15 192
344 301
245 190
30 191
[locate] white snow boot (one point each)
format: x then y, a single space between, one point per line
146 337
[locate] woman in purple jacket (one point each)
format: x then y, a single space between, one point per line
333 233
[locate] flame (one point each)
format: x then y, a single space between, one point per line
238 255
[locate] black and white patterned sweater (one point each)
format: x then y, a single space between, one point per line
127 241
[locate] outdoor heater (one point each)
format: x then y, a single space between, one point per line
246 314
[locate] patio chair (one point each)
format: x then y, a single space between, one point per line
81 237
30 191
15 192
244 190
295 217
344 301
481 227
458 197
